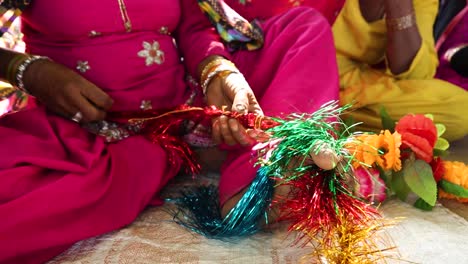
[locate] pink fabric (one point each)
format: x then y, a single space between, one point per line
60 184
295 71
265 9
458 35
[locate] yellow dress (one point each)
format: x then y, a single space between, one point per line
361 44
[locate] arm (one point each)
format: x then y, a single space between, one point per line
410 51
358 40
57 87
197 39
6 57
403 44
200 46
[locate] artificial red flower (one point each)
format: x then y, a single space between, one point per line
418 125
438 169
419 134
419 145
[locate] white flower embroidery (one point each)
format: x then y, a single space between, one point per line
151 53
83 66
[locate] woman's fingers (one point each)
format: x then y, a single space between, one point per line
229 131
239 134
89 111
84 110
226 134
97 97
240 103
254 106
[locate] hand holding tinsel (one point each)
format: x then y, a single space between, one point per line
303 151
225 87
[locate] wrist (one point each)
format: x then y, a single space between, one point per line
217 67
203 65
18 72
400 8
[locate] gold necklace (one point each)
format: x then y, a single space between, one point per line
125 17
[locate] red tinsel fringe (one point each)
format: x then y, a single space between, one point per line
165 127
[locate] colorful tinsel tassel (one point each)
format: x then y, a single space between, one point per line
199 210
321 206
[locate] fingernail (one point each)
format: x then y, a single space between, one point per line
233 124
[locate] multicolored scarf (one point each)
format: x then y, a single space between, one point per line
235 31
9 11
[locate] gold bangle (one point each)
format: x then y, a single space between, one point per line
216 65
401 23
212 64
220 71
13 67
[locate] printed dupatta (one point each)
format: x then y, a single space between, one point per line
9 11
11 99
235 31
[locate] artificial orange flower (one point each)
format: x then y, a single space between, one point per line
457 173
390 145
364 150
382 149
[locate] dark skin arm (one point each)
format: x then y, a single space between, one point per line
60 89
402 45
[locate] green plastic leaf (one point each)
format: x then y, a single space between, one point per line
442 144
387 121
399 186
421 204
454 189
418 176
440 153
430 116
440 129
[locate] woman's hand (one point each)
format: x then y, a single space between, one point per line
234 93
66 92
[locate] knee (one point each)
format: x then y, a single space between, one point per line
456 127
300 21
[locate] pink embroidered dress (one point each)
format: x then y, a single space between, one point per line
265 9
60 184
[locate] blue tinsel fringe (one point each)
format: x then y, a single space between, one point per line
199 210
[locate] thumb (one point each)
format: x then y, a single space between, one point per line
254 106
240 103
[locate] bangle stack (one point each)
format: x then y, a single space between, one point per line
401 23
17 67
218 67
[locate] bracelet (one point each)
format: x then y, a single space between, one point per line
222 71
21 69
401 23
12 66
210 66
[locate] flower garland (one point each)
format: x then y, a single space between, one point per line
406 158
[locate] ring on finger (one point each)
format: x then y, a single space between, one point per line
240 107
77 117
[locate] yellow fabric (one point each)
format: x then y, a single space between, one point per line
361 44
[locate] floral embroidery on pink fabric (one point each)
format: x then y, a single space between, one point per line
152 53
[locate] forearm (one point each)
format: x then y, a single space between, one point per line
7 61
402 43
372 10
